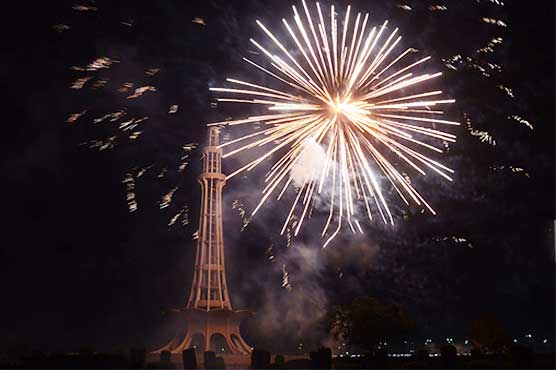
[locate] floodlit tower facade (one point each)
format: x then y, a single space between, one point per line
209 290
208 314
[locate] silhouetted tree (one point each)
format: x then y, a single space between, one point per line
420 360
421 355
522 356
476 353
488 334
449 355
322 358
380 358
366 322
37 360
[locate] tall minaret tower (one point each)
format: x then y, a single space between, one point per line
209 290
209 313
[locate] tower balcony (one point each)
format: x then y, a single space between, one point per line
210 266
212 176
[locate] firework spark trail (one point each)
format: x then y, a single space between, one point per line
346 92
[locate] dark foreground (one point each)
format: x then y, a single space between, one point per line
516 357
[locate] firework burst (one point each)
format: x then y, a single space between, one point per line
350 98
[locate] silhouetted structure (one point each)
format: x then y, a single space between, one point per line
165 361
260 359
209 359
189 359
219 363
137 357
165 356
209 313
279 362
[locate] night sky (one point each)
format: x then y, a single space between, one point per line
78 268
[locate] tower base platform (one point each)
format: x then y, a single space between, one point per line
215 330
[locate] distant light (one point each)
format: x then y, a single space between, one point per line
545 341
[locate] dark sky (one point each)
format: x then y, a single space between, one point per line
77 268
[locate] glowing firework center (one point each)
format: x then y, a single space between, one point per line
353 95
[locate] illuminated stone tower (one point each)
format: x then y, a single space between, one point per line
209 317
209 290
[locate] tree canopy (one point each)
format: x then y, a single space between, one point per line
367 322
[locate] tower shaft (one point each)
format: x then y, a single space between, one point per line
209 289
209 313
